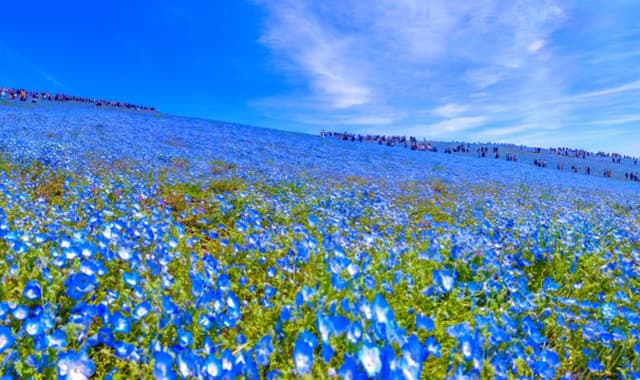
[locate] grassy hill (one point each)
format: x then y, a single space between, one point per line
149 245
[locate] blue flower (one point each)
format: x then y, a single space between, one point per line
32 291
21 312
424 322
609 310
120 323
123 350
75 366
444 279
105 336
33 326
79 284
433 347
131 278
263 350
185 338
163 366
381 311
186 363
369 356
141 310
6 338
213 366
302 356
595 366
349 368
325 327
57 340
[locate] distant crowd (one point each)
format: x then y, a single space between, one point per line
616 158
492 151
23 95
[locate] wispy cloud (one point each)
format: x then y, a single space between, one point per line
321 54
536 45
631 86
481 69
449 110
455 127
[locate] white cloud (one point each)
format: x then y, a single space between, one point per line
396 52
507 131
459 124
450 128
630 86
321 54
467 65
536 45
624 119
449 110
482 78
349 120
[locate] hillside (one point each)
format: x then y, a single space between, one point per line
140 244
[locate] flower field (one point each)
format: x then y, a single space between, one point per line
139 245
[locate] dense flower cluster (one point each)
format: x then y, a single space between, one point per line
141 245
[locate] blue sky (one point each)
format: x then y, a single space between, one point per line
543 72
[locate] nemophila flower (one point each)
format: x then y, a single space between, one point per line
57 340
185 338
123 350
444 280
91 267
79 284
213 366
141 310
19 247
32 291
131 278
354 334
325 327
74 365
337 282
595 366
433 347
4 309
550 285
33 326
381 311
467 347
120 323
6 338
186 363
349 369
327 352
87 250
302 356
20 312
163 366
228 363
269 291
609 310
424 322
263 350
369 357
340 324
105 336
413 351
125 253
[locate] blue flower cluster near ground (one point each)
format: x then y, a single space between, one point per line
148 245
